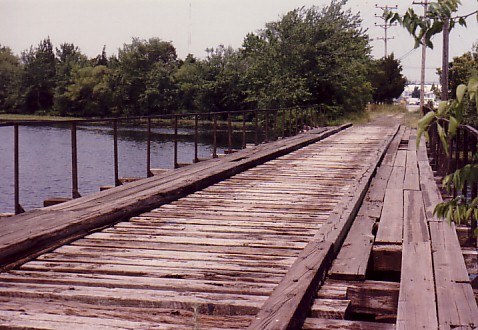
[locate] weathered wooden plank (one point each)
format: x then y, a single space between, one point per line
412 179
416 302
415 223
352 261
155 317
431 193
456 303
325 324
386 258
401 159
330 309
390 229
139 282
397 178
373 297
206 303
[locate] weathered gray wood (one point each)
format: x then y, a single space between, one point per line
373 297
390 229
456 303
352 260
288 304
415 223
325 324
416 302
386 258
330 309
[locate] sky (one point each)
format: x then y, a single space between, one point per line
194 25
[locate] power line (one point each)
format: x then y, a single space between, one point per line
385 26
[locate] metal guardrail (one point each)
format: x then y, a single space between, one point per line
268 124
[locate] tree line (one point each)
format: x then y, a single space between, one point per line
310 56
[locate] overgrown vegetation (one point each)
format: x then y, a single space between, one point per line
310 56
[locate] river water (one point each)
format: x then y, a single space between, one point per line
45 158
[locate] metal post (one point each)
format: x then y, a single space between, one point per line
115 152
274 133
243 130
74 162
256 115
214 142
296 123
176 165
290 121
267 125
148 152
283 123
16 159
229 134
196 120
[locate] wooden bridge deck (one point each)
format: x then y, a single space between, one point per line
248 251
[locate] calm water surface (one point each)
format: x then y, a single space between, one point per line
45 158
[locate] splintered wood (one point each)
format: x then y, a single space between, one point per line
208 260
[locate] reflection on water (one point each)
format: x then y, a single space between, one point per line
45 158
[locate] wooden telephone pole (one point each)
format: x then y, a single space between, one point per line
385 26
424 59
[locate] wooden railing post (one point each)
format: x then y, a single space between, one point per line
267 125
16 160
74 162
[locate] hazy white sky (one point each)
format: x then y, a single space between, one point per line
194 25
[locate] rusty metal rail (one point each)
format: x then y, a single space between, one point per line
261 121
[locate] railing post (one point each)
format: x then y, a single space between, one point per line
283 123
148 152
214 141
290 122
176 165
243 130
196 124
296 123
267 125
274 134
74 162
115 152
16 160
256 115
229 133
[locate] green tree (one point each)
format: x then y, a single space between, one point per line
68 59
311 55
89 94
9 74
387 79
141 68
38 78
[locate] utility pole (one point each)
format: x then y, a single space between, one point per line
424 58
385 26
445 59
